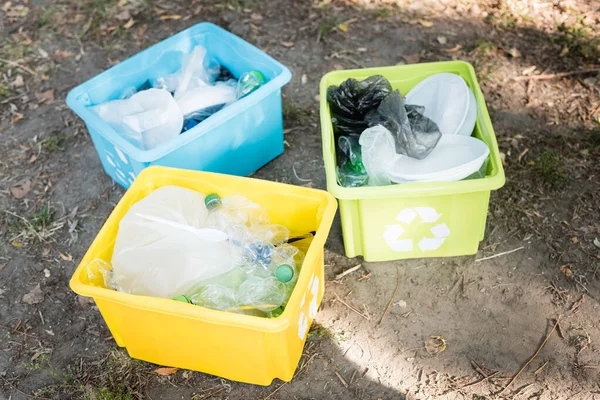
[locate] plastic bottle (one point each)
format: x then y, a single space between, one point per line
249 82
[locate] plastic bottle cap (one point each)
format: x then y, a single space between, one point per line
284 273
182 299
212 200
258 75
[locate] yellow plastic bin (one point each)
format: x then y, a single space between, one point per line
238 347
418 219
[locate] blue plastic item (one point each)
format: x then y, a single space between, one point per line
237 140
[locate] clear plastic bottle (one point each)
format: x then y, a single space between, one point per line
249 82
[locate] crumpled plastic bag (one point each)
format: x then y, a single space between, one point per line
351 100
147 119
163 247
378 154
414 134
350 171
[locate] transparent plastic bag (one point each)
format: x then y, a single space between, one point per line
163 247
378 154
414 134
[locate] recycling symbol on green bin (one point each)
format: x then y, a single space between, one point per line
400 237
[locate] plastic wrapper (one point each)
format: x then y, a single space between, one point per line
147 119
350 101
100 273
163 248
351 171
414 134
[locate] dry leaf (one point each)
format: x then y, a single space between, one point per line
165 371
17 244
35 296
597 243
19 191
129 24
18 82
66 257
167 17
123 15
564 51
528 70
287 44
514 52
2 266
61 55
454 49
412 58
343 27
45 97
442 39
566 270
574 239
435 345
426 24
6 6
256 17
17 117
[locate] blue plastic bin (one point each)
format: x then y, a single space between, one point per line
237 140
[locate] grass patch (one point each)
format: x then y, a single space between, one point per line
54 143
580 40
383 12
105 393
326 27
46 17
551 169
4 91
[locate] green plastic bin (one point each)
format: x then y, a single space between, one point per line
413 220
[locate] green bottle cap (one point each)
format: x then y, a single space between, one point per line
182 299
258 76
212 200
284 273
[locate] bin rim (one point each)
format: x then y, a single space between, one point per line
493 181
190 311
218 118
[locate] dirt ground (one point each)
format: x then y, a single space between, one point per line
493 314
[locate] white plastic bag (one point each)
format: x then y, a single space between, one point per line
163 248
148 118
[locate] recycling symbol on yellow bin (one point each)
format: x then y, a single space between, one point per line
395 237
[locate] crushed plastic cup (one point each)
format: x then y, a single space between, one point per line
148 118
448 101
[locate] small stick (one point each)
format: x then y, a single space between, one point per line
16 64
350 307
591 366
352 378
478 368
500 254
391 298
206 396
537 371
558 75
346 272
484 379
275 391
531 359
341 379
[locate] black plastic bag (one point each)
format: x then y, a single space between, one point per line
352 100
415 135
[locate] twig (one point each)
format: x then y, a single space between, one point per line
275 391
531 359
591 366
537 371
341 379
346 272
484 379
553 76
391 298
352 308
500 254
576 305
206 396
16 64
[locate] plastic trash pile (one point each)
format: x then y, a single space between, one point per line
219 253
384 138
164 107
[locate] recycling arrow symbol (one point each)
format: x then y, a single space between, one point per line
393 234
